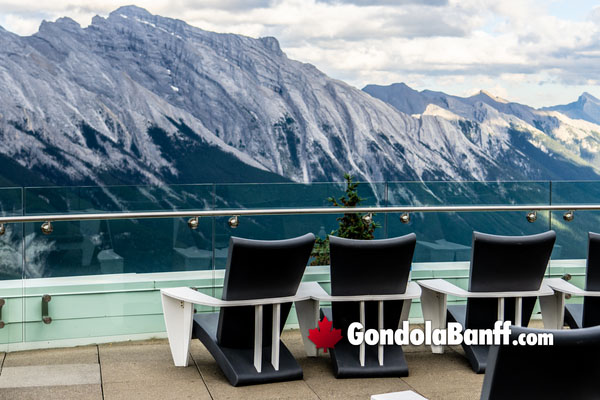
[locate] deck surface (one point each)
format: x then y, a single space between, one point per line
144 370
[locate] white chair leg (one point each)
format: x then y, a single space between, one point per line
380 327
258 333
518 311
361 354
501 309
434 305
275 336
178 320
553 310
308 318
405 311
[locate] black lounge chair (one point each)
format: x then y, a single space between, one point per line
508 271
557 372
260 284
561 371
588 314
369 268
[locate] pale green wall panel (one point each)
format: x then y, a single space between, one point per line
93 327
79 312
11 333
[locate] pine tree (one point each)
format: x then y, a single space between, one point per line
351 225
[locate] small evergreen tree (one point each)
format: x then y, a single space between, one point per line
351 226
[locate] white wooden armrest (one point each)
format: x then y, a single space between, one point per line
553 307
190 295
434 301
179 312
316 292
445 287
307 308
560 285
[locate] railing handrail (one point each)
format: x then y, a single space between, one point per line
292 211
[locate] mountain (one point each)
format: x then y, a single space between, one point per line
139 98
587 107
555 145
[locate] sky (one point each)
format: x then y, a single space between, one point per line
539 53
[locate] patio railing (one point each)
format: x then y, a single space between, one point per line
105 252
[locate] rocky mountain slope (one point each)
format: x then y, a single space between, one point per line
556 145
138 98
587 107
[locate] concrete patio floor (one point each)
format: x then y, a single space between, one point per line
144 370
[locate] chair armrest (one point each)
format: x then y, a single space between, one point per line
311 290
316 292
445 287
560 285
189 295
178 313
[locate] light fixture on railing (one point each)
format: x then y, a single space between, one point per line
531 216
569 215
367 218
193 223
405 218
2 229
234 222
47 228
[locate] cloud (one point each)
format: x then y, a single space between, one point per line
387 2
436 44
233 5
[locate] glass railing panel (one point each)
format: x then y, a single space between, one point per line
447 236
292 195
572 236
89 199
104 276
95 247
11 267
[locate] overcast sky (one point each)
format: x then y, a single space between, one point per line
535 52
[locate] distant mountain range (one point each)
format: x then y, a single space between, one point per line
137 98
587 107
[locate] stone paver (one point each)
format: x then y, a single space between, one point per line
71 355
143 390
442 376
134 352
149 371
77 392
142 362
50 375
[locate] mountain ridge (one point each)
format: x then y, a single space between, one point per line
133 94
586 107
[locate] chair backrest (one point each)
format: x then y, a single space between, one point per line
561 371
591 305
363 267
260 269
505 263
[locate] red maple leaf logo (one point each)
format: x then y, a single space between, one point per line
324 336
